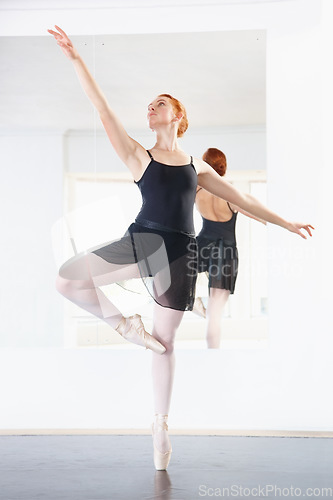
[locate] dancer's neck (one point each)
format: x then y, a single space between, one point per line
167 142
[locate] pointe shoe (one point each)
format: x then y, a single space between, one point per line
133 330
199 308
161 460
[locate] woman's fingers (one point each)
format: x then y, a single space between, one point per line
56 35
62 39
59 35
61 31
306 227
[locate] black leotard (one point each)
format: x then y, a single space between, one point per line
217 229
217 251
168 195
162 240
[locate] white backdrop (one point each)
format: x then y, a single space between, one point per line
285 387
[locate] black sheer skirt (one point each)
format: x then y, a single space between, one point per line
167 261
218 258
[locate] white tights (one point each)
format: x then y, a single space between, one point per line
165 325
79 283
216 302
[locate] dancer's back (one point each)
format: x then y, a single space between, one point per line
211 207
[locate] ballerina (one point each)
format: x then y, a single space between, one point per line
160 243
217 250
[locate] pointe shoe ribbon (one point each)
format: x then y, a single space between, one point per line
133 330
161 460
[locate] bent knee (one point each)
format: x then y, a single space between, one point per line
63 286
67 287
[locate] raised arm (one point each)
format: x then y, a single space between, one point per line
128 150
212 182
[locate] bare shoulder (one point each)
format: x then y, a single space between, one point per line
200 165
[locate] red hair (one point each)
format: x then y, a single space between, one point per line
178 108
216 159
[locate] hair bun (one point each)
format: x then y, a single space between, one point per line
216 159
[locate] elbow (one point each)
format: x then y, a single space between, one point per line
246 202
103 111
243 201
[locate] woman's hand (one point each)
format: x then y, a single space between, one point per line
64 43
295 227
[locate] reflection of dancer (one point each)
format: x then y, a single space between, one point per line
217 249
162 234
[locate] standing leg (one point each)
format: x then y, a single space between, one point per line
166 323
216 302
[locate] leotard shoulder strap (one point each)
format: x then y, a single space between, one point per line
151 157
231 210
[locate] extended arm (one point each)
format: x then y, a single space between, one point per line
212 182
244 212
128 150
235 208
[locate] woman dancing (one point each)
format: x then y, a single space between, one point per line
159 244
217 249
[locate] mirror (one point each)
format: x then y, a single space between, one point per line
220 78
